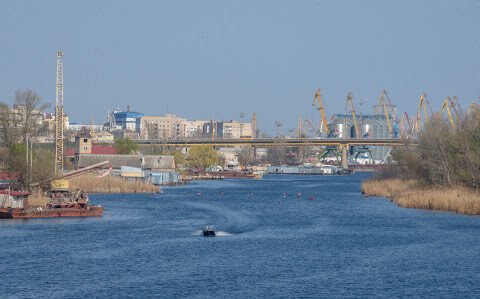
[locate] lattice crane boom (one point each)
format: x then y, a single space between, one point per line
317 100
422 106
382 102
447 103
354 116
59 116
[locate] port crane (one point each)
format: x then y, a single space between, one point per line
422 106
446 105
405 126
390 114
59 116
474 109
354 116
361 149
318 104
457 109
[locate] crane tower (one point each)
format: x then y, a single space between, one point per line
59 116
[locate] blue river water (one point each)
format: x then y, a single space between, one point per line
282 236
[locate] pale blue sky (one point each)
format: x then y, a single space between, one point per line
201 58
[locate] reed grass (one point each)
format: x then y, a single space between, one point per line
109 184
410 194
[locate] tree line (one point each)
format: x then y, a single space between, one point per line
447 154
19 125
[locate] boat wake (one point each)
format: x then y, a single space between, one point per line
235 222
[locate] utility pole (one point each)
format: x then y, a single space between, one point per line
254 125
242 118
299 126
31 158
26 156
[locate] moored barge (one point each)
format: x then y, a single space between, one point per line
14 205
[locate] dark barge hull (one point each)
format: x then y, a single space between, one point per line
20 213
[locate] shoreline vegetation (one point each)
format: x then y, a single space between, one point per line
92 184
440 172
412 194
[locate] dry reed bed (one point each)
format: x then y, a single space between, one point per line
410 194
109 184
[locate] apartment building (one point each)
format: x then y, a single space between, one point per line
194 128
161 127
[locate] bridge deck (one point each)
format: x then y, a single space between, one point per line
279 141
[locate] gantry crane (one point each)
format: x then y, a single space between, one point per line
354 116
446 105
318 104
59 116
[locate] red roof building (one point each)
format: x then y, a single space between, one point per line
103 150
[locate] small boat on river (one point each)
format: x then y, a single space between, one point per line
209 231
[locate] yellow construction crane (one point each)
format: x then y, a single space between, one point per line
447 103
354 116
318 104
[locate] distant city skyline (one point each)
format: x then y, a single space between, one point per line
216 59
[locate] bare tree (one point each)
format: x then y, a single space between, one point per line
9 124
277 155
17 125
29 109
246 156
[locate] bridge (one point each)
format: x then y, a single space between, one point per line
341 144
267 142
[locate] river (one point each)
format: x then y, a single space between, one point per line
282 236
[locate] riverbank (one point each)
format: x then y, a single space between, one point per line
110 184
410 194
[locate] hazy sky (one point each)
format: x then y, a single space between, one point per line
204 58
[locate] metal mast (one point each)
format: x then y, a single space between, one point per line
59 116
254 125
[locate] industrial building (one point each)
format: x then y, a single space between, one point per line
124 120
369 126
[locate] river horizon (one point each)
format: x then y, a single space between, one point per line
282 236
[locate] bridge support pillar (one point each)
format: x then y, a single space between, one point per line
344 148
